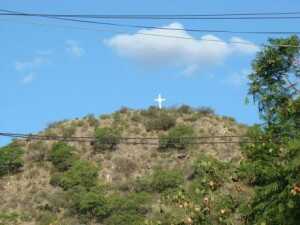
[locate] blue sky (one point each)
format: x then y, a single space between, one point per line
50 71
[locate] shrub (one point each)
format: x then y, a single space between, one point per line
136 118
205 111
125 219
81 174
178 137
163 180
124 110
151 112
10 159
92 120
90 204
106 138
9 218
184 109
162 122
160 181
62 156
128 210
208 172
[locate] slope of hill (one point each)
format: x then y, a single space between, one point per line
99 183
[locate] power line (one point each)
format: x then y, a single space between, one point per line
240 139
224 16
170 36
62 17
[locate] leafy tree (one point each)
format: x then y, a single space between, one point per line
178 137
91 204
106 138
62 156
10 159
81 174
272 163
160 181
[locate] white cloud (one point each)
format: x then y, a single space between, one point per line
73 48
190 53
28 78
30 64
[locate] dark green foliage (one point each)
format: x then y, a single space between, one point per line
62 156
163 180
185 109
178 137
272 164
106 138
10 159
209 172
160 181
9 218
151 112
129 209
82 174
125 219
205 111
161 121
91 204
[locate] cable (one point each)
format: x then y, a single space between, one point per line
136 140
61 17
230 16
155 27
169 36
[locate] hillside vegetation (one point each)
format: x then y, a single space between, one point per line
112 183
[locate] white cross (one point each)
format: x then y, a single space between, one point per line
159 100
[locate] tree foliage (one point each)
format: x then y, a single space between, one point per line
10 159
178 137
106 138
62 156
272 163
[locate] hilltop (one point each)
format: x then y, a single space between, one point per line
115 183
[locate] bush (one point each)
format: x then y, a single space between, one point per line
128 210
106 138
92 120
151 112
62 156
162 122
160 181
90 204
205 111
184 109
10 159
124 110
125 219
81 174
208 172
164 180
178 138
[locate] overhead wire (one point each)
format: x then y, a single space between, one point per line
219 139
174 29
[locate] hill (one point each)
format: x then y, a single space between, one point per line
114 183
